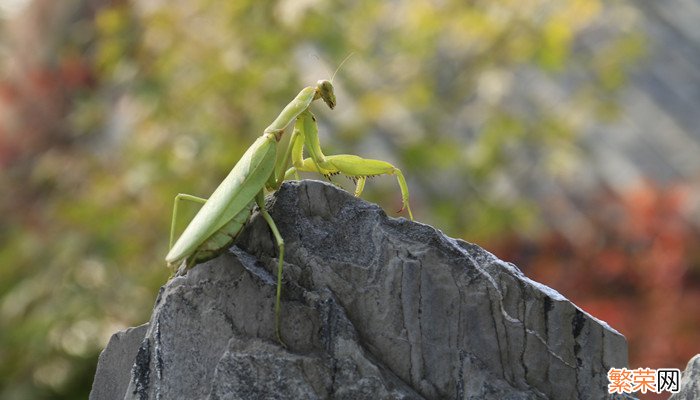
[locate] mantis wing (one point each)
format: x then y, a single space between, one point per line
234 194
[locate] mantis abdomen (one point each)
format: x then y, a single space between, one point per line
221 239
232 198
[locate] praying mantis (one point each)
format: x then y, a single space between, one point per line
224 214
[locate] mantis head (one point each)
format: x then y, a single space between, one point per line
324 90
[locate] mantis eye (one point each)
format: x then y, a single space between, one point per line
325 91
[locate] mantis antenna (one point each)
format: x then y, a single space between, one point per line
341 64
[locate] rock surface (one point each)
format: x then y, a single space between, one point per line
373 308
115 362
690 381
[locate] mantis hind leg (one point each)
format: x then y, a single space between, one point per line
260 199
181 196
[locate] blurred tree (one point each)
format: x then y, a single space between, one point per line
110 108
638 268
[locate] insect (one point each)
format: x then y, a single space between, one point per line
224 214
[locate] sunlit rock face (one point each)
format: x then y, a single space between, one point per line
690 381
372 307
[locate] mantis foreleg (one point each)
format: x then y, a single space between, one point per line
297 109
360 186
355 167
306 134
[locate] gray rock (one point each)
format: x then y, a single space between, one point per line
690 381
114 365
373 307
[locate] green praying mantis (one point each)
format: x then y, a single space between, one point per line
223 216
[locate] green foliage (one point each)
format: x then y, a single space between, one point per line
182 88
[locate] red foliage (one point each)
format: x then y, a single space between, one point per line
639 270
34 105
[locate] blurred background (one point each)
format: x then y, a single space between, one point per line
563 136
